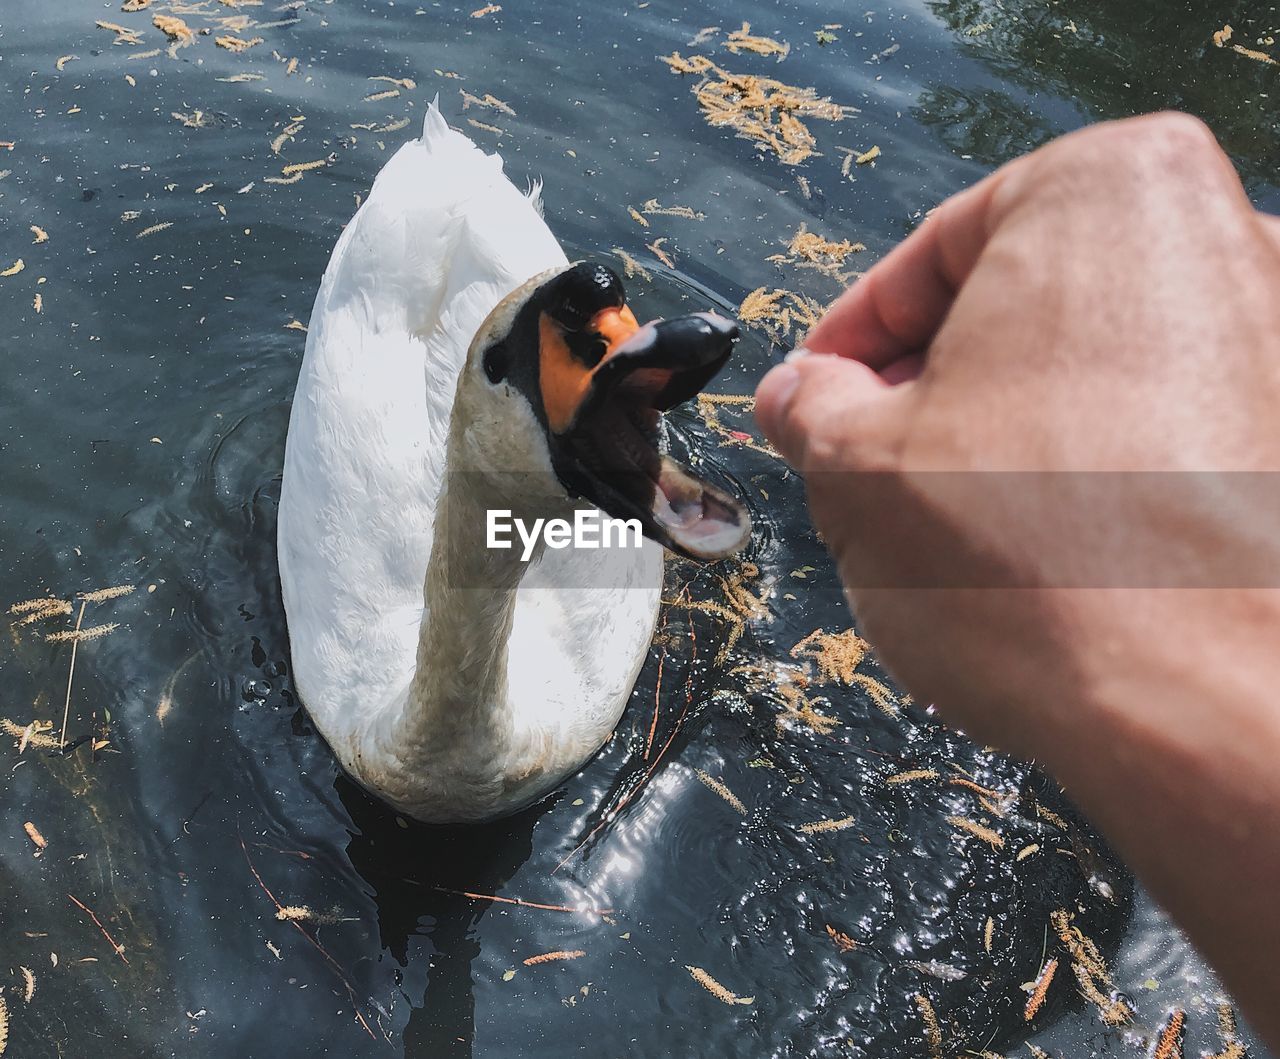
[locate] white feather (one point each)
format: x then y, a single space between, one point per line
443 237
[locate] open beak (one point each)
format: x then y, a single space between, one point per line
603 422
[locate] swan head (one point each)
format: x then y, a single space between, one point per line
580 386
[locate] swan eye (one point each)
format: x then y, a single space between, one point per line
495 364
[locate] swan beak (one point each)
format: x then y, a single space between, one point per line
603 425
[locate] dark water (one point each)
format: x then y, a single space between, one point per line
142 423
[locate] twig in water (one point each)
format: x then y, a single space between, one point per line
98 923
66 708
336 967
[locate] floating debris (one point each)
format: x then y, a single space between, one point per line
741 40
487 128
660 254
301 914
33 734
1090 970
1233 1047
38 840
552 957
635 216
15 268
61 63
4 1024
988 931
1169 1044
295 325
236 44
153 229
124 35
838 654
304 167
41 236
1257 56
39 609
28 984
407 83
759 108
135 5
377 97
976 829
1039 988
809 250
843 942
630 266
119 949
866 157
1223 35
819 827
651 207
488 100
94 632
717 990
238 78
173 28
780 313
488 9
911 776
1027 851
932 1030
937 969
716 785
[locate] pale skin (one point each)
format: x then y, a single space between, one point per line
1108 303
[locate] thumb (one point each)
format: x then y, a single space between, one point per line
808 406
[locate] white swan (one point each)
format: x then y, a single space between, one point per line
456 363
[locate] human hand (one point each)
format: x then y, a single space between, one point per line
1107 304
1052 404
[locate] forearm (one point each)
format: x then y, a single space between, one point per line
1176 756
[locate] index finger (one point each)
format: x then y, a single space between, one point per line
899 305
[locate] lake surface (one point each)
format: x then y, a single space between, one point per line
766 859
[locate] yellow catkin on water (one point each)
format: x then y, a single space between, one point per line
554 957
1169 1043
94 632
38 840
173 28
304 167
14 269
818 827
99 595
988 932
124 35
1040 989
28 984
716 785
236 44
741 40
724 995
932 1028
4 1024
153 229
911 776
780 313
842 940
977 830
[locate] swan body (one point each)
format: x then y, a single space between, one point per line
453 680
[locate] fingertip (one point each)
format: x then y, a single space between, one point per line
774 394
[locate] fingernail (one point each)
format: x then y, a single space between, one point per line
796 354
